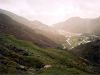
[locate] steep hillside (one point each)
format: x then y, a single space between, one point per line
37 27
23 57
8 25
90 52
48 31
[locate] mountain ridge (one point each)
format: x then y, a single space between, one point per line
38 28
80 25
10 26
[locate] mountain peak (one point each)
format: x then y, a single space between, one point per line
37 22
74 19
2 11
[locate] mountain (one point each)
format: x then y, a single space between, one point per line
36 30
33 48
11 26
48 31
80 25
90 52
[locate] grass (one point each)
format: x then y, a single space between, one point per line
62 71
20 52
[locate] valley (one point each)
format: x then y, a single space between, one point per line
33 48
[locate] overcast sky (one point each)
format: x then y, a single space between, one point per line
52 11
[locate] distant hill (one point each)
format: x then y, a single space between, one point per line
80 25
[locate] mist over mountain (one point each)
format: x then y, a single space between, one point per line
31 47
11 26
80 25
38 27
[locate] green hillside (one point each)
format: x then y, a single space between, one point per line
23 57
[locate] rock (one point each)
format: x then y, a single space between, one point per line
47 66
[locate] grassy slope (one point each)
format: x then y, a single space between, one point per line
16 53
